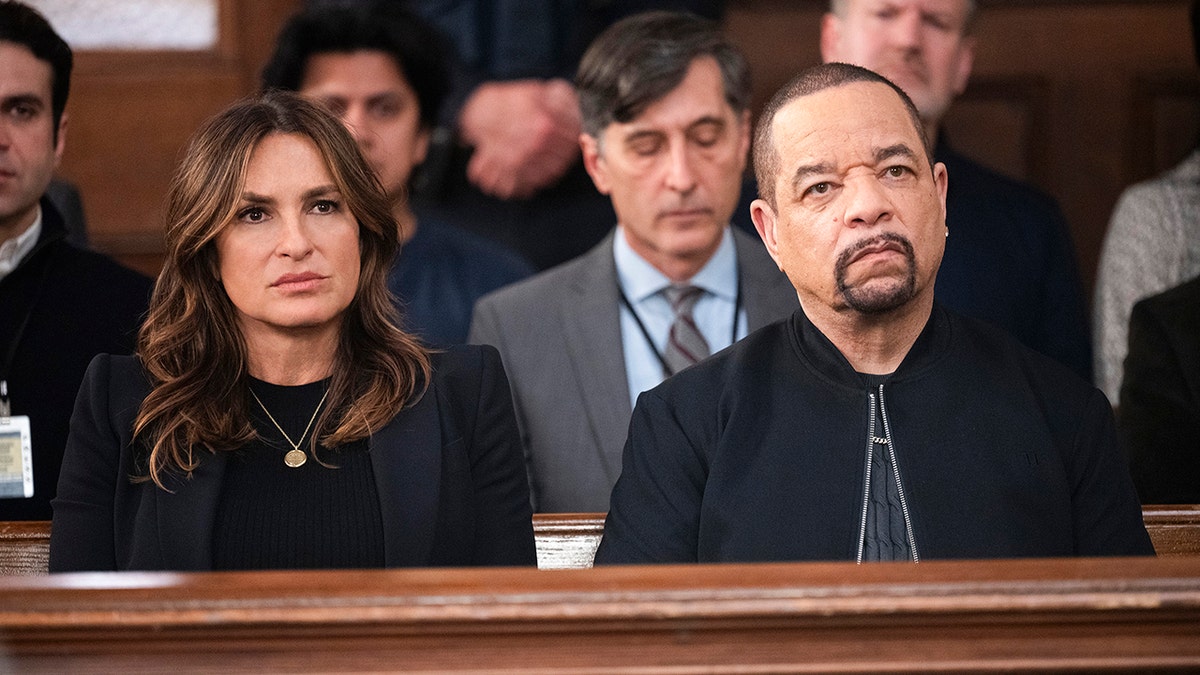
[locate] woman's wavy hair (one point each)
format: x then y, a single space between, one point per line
190 344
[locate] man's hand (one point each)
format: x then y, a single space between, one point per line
525 134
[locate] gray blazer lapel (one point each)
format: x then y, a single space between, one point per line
185 516
590 316
768 294
406 456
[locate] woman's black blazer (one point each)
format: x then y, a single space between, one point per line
449 471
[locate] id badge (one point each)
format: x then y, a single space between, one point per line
16 457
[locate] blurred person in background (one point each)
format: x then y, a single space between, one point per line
383 71
60 304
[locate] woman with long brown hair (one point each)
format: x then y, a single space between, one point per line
275 415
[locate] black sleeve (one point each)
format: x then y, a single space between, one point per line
1159 415
504 519
654 513
1107 514
82 535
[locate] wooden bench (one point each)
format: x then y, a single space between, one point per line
1174 529
569 540
24 547
1115 614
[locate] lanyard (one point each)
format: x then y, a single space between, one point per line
10 353
737 306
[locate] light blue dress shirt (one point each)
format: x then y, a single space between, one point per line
642 284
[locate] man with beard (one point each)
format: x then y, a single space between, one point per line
873 424
1010 260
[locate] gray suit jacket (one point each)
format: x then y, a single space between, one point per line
559 335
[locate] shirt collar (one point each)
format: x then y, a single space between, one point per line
13 251
640 280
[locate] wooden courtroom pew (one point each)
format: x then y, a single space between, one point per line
1174 529
1132 615
24 547
569 540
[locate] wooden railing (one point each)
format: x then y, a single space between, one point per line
1133 615
24 547
569 540
1174 529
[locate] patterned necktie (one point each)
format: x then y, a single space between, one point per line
685 344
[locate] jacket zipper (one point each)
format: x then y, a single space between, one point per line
862 527
887 431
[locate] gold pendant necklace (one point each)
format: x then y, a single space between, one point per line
295 458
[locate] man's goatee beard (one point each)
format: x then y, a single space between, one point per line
877 300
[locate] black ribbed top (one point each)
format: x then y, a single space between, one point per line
271 516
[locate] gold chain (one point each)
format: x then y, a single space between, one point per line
295 457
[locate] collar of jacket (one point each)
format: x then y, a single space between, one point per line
815 350
53 229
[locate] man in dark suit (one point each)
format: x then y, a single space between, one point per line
1009 259
59 305
666 129
874 424
1159 417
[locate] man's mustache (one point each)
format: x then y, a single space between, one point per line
854 249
